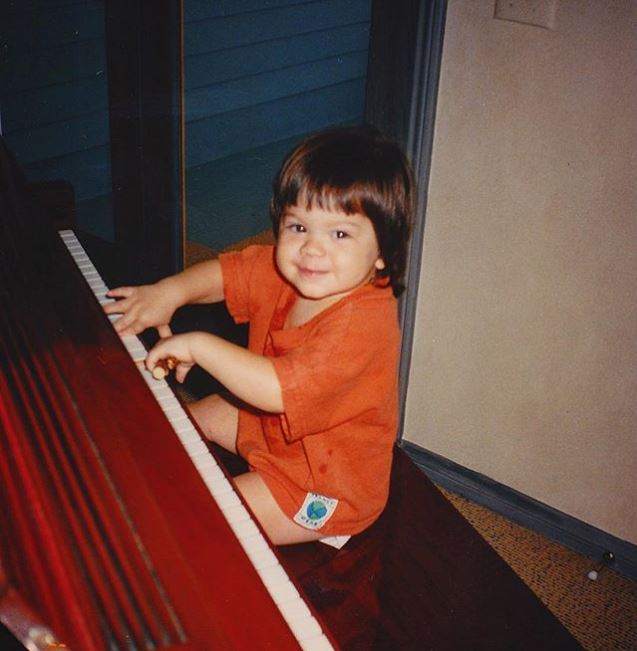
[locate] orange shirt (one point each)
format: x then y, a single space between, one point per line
327 458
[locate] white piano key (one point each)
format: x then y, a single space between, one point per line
228 500
246 529
183 428
161 390
181 422
304 629
133 345
296 610
318 643
195 447
171 410
280 587
207 464
257 543
218 485
236 514
277 580
262 558
187 435
176 417
293 608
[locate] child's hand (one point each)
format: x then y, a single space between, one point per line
146 306
179 348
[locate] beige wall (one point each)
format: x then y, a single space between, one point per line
525 355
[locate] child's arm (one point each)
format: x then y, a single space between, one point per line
150 306
247 375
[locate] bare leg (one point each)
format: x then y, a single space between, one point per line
278 527
217 419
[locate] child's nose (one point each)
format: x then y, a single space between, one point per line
313 246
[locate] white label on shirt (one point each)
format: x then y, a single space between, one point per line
315 511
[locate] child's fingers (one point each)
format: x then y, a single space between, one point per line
120 305
116 307
163 367
127 326
181 371
152 358
120 292
133 320
163 358
164 331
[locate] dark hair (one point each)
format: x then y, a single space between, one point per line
357 171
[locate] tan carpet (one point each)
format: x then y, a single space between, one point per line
601 614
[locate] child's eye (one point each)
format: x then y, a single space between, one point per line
296 228
341 235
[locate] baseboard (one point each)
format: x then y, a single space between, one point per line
526 511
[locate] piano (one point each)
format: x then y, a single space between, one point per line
120 528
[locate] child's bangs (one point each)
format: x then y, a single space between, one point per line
349 200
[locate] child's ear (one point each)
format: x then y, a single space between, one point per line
379 264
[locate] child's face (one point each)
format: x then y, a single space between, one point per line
326 254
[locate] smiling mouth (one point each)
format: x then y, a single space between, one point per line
311 273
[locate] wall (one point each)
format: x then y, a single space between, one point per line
525 357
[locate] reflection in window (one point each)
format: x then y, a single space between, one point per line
259 75
54 101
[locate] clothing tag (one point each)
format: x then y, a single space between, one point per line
335 541
315 511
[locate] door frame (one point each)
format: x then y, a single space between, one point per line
405 55
144 50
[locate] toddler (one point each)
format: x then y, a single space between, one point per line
313 404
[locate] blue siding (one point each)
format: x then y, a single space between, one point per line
273 85
257 73
57 106
229 30
86 169
253 126
30 69
201 9
41 25
53 94
222 65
